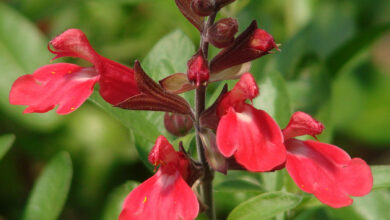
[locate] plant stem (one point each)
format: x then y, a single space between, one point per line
200 98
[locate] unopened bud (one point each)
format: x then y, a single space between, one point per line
249 45
177 124
221 34
198 70
262 41
203 7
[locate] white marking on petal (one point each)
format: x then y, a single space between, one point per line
85 74
245 117
167 180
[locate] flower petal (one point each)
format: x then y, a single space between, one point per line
302 124
117 81
245 88
73 43
161 197
66 85
327 171
253 137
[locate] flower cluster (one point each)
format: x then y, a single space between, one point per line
231 132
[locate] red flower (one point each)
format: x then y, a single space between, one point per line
251 135
166 194
69 85
322 169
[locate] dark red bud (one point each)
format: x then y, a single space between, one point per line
198 70
177 124
203 7
263 41
249 45
221 34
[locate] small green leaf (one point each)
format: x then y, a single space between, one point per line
169 55
6 142
115 200
381 176
274 98
265 206
50 191
238 186
22 50
273 181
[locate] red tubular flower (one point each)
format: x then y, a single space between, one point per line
166 194
69 85
322 169
251 135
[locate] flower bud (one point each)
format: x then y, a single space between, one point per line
177 124
198 70
253 43
203 7
221 34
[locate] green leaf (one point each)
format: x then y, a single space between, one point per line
265 206
361 40
22 50
238 186
274 98
50 191
168 56
6 142
381 176
273 181
115 200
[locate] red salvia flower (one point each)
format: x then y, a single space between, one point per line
165 195
251 135
69 85
323 169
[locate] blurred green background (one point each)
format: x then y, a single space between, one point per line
334 64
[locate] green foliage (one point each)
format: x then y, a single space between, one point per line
381 176
49 194
274 97
264 206
6 142
238 185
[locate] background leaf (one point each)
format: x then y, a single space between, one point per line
381 176
274 98
169 56
265 206
50 191
6 142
